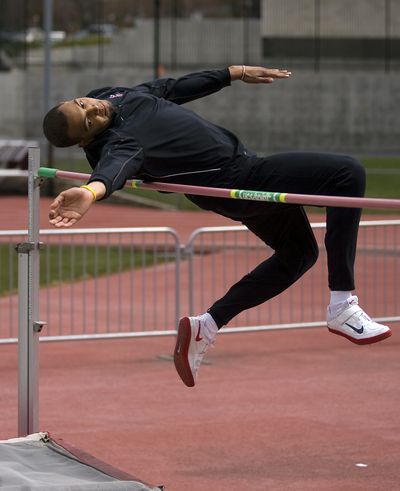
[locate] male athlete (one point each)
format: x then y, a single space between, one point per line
144 132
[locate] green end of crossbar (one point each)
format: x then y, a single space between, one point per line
47 172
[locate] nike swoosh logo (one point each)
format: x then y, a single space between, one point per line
358 330
198 338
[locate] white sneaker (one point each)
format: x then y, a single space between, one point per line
191 345
354 324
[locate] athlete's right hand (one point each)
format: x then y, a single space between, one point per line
69 207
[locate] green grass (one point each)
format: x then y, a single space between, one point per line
383 181
65 263
73 165
383 177
60 264
13 48
381 162
89 40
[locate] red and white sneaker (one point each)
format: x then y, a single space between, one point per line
354 324
191 345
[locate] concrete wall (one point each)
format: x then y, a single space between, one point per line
332 111
344 112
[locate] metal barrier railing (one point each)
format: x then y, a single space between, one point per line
98 282
126 282
9 239
220 256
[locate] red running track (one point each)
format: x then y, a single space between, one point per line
279 411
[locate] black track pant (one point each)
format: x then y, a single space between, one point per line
287 230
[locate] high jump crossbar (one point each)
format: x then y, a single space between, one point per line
240 194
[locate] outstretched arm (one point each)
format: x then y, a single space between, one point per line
71 205
188 87
200 84
117 164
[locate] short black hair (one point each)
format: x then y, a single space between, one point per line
55 128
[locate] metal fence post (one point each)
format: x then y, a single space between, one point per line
28 299
189 254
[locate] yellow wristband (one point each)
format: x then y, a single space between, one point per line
89 188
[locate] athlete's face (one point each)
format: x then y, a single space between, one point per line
87 117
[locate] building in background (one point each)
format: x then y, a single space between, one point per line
331 32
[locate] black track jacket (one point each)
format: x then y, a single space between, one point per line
152 137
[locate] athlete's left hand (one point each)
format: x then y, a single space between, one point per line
257 74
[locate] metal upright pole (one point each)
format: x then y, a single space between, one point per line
174 37
388 35
156 47
100 7
47 28
28 305
246 11
317 35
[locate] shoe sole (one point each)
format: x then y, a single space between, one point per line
181 351
374 339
